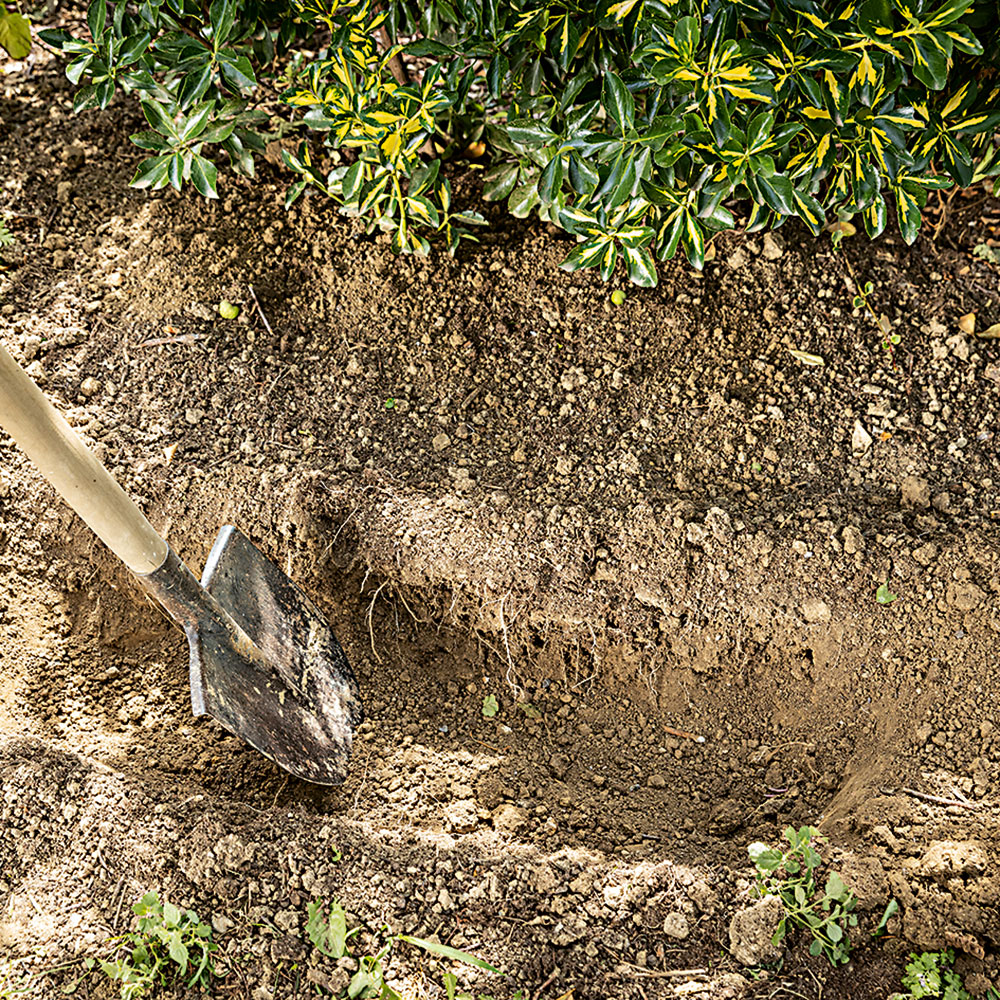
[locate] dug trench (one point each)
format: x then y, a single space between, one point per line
650 533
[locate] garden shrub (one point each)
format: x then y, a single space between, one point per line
640 126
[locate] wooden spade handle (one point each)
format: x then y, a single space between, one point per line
44 436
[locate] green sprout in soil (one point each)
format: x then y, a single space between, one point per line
326 927
13 983
169 947
490 706
825 912
931 975
884 595
987 253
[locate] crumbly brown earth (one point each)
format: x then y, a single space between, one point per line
632 526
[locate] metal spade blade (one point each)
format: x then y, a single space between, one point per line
264 661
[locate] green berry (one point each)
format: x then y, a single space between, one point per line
618 296
227 310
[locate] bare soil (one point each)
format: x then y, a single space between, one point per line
632 526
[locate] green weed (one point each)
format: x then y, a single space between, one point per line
13 984
931 975
490 706
983 250
169 946
825 912
327 930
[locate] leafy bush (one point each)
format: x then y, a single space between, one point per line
640 126
824 911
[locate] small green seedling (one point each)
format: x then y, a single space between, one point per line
987 253
618 297
931 975
890 911
13 983
7 238
791 876
227 310
327 928
883 595
390 403
169 946
490 706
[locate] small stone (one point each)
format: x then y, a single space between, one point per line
656 781
926 554
751 931
508 818
336 982
221 924
460 816
441 441
353 368
854 541
193 416
737 259
444 898
675 925
861 440
965 596
90 386
64 191
564 465
942 502
773 249
74 156
916 492
558 766
287 949
815 610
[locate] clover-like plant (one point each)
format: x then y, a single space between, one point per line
824 909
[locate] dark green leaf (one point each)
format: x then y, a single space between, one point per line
149 140
152 173
194 85
221 15
204 176
158 118
618 102
97 15
237 72
527 132
500 181
551 180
